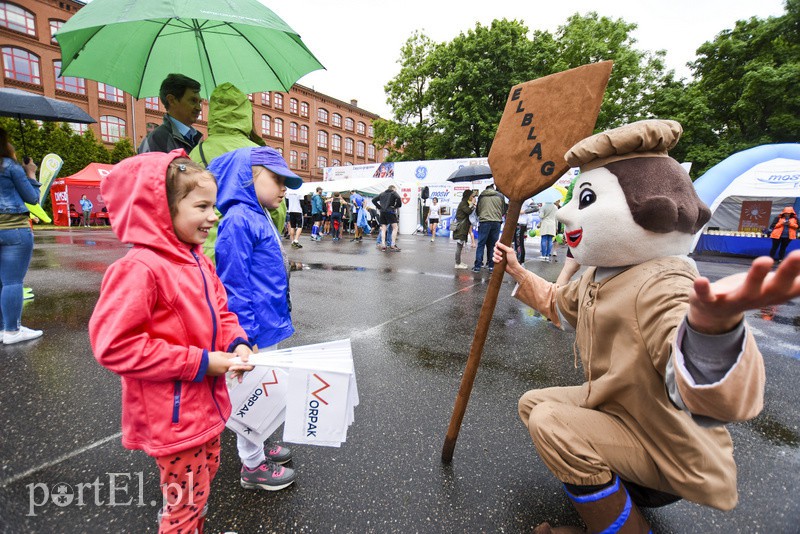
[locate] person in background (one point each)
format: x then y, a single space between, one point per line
337 208
317 214
388 203
86 208
782 231
547 229
295 212
433 217
18 185
491 208
162 324
254 268
230 126
528 207
463 226
180 96
356 205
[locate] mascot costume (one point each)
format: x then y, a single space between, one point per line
668 358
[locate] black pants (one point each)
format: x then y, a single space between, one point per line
519 242
783 242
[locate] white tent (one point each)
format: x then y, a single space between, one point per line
366 186
768 173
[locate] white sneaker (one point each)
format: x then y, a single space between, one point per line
23 334
462 266
431 240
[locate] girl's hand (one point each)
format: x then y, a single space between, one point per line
717 308
219 363
30 169
238 370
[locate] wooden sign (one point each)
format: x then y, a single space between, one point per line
543 119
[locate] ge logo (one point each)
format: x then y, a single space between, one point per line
421 172
62 494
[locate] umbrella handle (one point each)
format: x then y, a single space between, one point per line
479 339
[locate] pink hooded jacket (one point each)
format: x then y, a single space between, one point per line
161 310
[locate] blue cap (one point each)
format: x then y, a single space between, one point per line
272 160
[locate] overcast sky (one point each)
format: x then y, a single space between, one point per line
359 41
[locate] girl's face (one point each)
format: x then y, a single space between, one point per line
194 214
270 188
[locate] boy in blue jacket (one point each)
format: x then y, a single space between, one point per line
254 269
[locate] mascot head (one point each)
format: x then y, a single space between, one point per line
631 202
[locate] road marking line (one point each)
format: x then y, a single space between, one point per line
58 460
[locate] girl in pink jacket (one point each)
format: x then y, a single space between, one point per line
162 324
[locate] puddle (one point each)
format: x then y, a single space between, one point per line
773 314
298 266
775 432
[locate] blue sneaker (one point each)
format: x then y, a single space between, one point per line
476 269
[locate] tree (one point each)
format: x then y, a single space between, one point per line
471 79
122 149
636 76
407 137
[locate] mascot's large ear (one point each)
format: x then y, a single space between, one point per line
657 214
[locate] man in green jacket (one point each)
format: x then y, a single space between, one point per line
230 126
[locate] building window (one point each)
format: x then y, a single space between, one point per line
68 83
371 131
348 146
265 101
322 162
349 124
304 161
280 150
336 142
250 97
277 126
78 128
362 128
21 65
110 93
385 154
293 106
336 120
361 149
150 126
304 133
55 25
151 102
335 163
202 106
17 19
112 129
266 125
293 159
292 131
277 100
322 115
348 163
371 151
322 139
304 109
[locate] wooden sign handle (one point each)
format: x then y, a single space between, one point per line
479 339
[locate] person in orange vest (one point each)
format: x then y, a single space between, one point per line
782 230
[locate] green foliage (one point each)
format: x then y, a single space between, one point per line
122 149
448 97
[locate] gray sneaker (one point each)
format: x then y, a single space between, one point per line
267 476
277 453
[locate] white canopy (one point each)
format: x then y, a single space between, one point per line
367 186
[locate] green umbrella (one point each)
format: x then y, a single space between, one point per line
134 44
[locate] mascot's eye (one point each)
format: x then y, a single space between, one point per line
587 198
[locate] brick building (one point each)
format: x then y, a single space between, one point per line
312 130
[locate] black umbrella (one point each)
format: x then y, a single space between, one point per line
26 105
470 173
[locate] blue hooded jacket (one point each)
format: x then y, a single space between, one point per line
250 259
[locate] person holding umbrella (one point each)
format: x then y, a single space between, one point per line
181 97
17 185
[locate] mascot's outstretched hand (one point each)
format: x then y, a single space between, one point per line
717 308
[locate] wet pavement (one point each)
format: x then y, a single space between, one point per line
410 317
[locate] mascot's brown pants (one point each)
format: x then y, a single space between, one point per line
582 446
